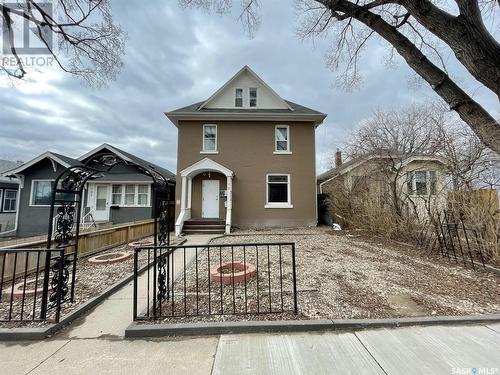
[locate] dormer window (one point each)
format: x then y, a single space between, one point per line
253 96
238 98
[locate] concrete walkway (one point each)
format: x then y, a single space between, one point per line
110 318
94 344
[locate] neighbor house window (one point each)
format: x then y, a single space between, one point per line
116 195
282 139
209 137
41 192
238 98
129 195
253 96
142 195
9 201
421 182
278 191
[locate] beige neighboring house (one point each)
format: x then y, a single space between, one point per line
418 180
245 158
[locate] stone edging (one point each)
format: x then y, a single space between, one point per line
136 329
40 333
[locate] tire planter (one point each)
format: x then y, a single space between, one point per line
224 273
29 292
141 243
118 256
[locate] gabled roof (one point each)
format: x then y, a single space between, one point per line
245 69
127 157
205 110
63 160
6 165
356 162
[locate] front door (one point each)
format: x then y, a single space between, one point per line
210 198
101 212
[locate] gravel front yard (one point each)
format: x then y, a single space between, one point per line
353 275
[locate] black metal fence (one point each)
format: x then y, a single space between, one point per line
450 235
205 280
30 291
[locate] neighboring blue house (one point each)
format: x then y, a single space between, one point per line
9 189
123 195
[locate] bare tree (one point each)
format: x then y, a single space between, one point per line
418 30
89 44
392 138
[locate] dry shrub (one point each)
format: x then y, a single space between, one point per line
480 211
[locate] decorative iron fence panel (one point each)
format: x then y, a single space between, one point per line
29 290
206 280
455 239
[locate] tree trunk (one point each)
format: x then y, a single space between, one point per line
484 126
466 35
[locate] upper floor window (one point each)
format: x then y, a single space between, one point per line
238 98
209 137
421 182
282 139
9 201
252 96
41 192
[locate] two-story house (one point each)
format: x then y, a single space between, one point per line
245 158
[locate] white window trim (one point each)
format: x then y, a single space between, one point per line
242 97
427 183
256 97
2 199
122 194
289 192
282 152
203 151
32 191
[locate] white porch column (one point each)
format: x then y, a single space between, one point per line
182 215
189 192
229 202
183 193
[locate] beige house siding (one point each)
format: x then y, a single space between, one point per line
377 187
247 149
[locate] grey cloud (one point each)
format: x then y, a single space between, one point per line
175 57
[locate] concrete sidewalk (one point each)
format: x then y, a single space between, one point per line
401 351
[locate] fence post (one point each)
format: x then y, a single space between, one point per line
135 284
60 265
45 290
294 270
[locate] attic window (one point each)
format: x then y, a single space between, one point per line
238 99
253 96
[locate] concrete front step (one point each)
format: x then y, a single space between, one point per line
199 225
207 231
205 222
203 226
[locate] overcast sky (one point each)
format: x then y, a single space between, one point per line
176 57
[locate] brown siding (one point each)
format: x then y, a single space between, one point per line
247 149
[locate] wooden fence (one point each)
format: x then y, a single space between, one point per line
89 243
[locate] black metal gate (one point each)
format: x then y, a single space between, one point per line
205 280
